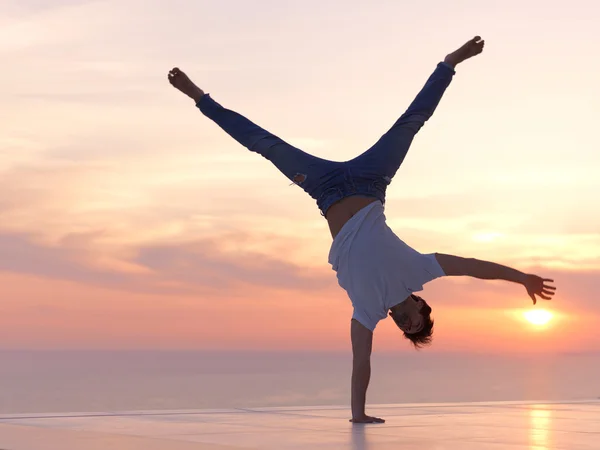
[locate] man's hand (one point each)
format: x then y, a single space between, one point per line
539 286
367 419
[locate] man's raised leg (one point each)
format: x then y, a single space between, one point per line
386 156
294 163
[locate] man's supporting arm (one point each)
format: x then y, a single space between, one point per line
362 344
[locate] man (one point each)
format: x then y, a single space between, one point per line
379 271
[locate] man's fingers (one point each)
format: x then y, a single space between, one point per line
548 279
547 291
533 298
549 287
545 297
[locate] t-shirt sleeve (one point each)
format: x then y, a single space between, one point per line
364 319
432 267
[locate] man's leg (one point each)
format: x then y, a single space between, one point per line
388 153
386 156
297 165
294 163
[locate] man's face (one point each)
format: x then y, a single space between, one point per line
410 320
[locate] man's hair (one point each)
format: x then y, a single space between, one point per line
424 337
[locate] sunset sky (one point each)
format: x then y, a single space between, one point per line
130 220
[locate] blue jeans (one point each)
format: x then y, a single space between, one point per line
329 181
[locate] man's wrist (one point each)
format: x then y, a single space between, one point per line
522 278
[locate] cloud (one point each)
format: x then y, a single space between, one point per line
204 263
42 24
227 266
20 254
198 267
85 98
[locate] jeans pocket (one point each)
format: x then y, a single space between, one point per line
330 192
379 186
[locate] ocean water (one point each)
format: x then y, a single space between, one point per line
79 381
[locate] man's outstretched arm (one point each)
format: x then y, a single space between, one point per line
486 270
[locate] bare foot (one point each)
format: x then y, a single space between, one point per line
182 82
367 419
471 48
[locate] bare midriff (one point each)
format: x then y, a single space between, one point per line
339 213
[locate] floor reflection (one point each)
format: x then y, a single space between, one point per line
540 420
359 438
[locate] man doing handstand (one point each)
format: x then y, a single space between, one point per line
378 270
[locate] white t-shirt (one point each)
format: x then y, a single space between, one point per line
375 267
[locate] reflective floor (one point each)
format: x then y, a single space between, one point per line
456 426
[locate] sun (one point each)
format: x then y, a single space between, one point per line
538 317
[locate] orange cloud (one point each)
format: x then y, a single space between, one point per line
173 309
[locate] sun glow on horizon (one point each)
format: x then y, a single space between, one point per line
538 317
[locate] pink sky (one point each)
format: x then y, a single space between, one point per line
128 220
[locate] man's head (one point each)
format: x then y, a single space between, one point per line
413 317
